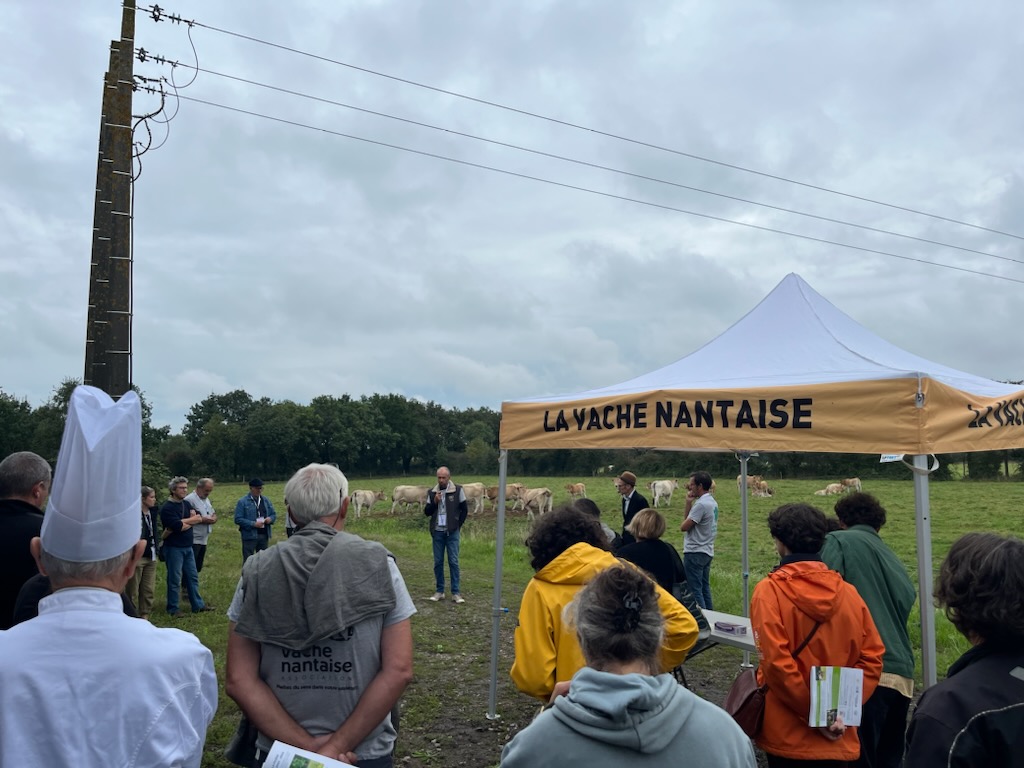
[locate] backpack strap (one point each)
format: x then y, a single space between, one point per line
806 639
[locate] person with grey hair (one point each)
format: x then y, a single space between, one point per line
320 639
199 499
81 683
178 517
618 709
447 509
24 487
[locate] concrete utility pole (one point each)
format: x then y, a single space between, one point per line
108 338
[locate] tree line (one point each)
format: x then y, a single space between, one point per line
233 436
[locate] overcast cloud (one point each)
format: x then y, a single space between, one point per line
293 263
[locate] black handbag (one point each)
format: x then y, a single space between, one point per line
241 750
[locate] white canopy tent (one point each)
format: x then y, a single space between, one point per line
794 374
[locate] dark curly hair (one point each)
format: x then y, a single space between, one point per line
558 530
860 509
980 585
800 527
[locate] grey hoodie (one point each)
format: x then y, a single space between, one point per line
616 720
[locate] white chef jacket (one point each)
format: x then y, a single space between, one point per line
84 685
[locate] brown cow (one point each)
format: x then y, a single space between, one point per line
576 490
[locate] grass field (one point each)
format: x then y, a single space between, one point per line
443 710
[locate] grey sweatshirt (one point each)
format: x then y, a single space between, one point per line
635 720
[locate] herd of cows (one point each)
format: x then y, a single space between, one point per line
540 500
834 489
517 496
532 500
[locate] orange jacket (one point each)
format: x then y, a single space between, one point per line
783 610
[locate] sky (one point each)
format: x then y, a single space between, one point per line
293 262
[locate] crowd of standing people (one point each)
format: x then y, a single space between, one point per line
320 643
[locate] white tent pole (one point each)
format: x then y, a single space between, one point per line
744 531
496 612
922 514
744 457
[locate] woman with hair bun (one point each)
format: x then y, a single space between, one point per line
618 710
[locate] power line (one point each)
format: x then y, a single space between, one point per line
576 161
587 190
158 14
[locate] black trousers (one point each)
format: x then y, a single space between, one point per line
883 729
200 552
774 761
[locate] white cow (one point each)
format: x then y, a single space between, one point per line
360 499
476 493
662 489
832 489
408 494
537 497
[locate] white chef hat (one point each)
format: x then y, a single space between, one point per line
93 512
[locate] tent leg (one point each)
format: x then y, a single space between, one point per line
922 514
744 458
496 612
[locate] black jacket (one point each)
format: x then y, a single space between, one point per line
975 717
657 558
456 509
636 503
151 533
20 522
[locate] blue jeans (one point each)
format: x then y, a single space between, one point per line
697 566
182 560
446 541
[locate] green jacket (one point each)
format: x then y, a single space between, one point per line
866 562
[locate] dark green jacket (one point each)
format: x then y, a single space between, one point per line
866 562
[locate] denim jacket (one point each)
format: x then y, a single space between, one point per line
245 516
